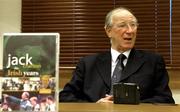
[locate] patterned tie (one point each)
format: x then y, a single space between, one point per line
117 71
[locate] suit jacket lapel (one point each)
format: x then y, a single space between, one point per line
135 61
103 65
104 68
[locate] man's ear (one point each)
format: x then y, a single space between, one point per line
108 32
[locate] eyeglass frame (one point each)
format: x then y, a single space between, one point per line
125 25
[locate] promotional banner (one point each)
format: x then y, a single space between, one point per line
30 72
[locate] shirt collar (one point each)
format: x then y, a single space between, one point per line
115 54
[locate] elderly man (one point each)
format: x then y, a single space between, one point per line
94 75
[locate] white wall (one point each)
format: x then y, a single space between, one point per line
10 19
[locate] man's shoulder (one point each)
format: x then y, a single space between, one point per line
148 54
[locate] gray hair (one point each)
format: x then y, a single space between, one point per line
109 16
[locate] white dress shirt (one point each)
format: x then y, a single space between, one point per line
114 60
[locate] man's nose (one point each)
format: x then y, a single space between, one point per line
129 28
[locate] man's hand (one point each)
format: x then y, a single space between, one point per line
106 99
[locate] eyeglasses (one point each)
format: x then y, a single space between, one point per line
125 25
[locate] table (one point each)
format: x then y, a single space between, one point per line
108 107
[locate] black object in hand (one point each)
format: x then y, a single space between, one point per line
126 93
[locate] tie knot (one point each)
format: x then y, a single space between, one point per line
121 57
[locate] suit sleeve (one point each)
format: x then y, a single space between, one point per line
73 91
162 92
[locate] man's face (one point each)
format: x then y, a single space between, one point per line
24 96
123 31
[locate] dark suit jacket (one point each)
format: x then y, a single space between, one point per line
92 78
